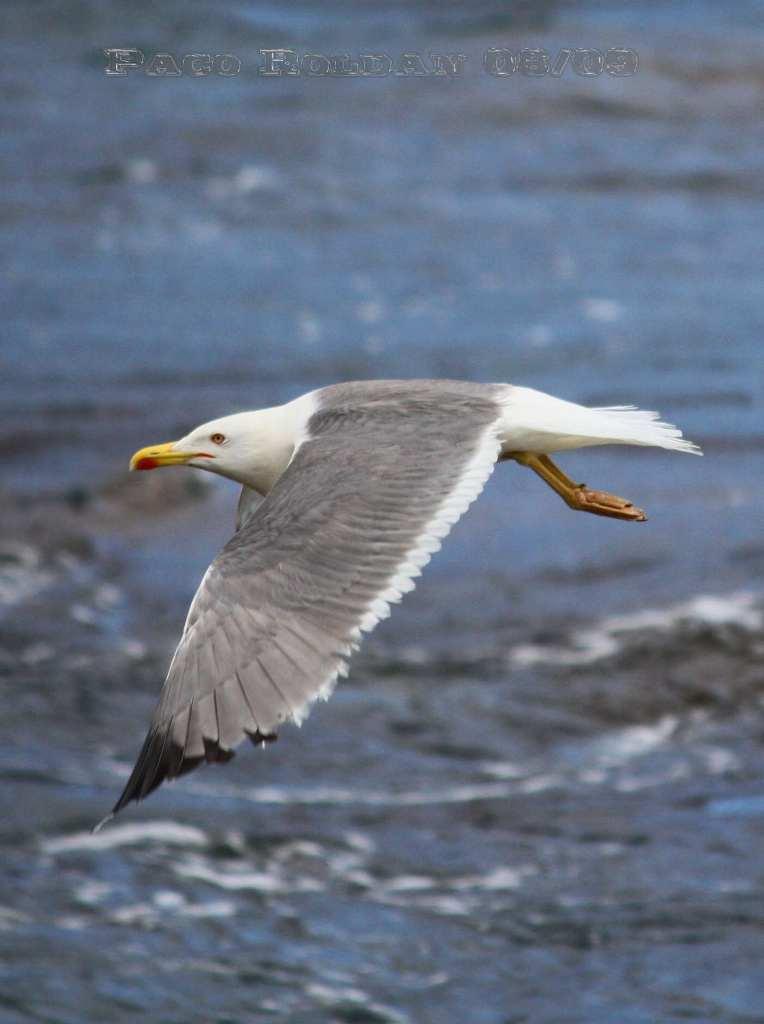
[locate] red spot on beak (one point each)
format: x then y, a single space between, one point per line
147 464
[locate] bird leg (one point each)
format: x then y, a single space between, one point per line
578 496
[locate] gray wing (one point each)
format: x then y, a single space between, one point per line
360 509
249 502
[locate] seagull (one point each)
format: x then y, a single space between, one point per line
346 493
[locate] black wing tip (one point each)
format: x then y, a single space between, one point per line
261 738
162 760
214 753
149 771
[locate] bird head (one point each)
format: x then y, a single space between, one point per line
227 446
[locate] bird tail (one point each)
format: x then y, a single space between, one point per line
537 422
630 425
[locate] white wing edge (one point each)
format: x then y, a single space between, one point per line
466 489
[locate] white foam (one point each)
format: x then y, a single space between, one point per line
212 908
661 777
606 638
252 177
409 883
249 178
239 876
37 653
624 745
604 311
168 832
10 919
92 893
23 577
335 996
504 769
141 171
501 878
720 761
448 904
165 903
312 795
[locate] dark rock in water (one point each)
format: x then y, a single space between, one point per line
159 494
78 497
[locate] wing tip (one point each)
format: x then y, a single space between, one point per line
100 824
161 760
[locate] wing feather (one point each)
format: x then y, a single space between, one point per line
382 475
249 720
206 720
194 749
232 714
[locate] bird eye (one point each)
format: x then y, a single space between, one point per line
217 438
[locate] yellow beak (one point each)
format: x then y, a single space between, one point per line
157 455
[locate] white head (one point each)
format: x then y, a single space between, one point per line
249 447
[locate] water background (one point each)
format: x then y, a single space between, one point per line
539 795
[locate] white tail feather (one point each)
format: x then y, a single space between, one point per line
536 422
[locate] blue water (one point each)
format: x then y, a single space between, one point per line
525 804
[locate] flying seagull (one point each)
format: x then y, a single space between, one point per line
346 493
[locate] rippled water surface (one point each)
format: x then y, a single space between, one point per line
539 796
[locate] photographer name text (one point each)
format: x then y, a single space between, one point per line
497 61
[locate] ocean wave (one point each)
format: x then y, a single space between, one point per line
164 832
740 610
